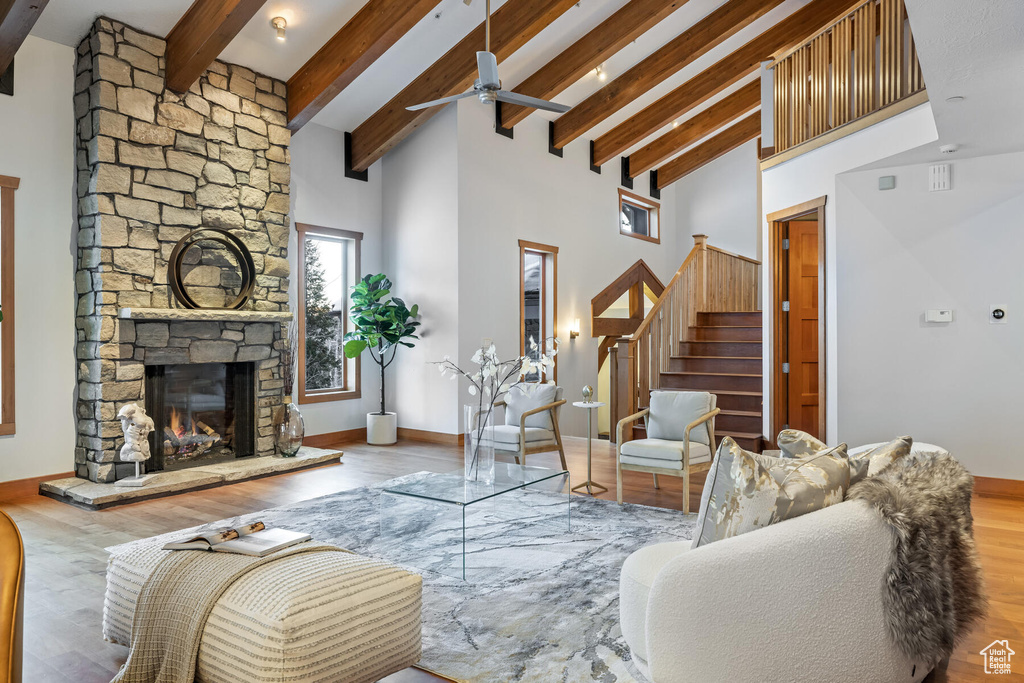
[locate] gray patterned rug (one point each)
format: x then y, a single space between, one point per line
542 602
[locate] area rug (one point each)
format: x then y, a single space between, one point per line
541 603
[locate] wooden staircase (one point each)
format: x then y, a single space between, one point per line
723 356
702 334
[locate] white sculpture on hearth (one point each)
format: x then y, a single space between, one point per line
137 426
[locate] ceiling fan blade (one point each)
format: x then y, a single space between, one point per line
487 65
443 100
527 101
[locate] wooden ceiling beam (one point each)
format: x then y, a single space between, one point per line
17 17
716 78
360 42
201 35
729 139
634 19
660 65
512 26
719 115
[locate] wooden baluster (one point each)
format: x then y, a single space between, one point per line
891 52
864 60
841 50
915 79
818 123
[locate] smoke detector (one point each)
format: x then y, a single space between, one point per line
949 149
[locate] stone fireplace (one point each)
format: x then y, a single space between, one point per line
154 165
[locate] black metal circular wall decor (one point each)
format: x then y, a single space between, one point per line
246 266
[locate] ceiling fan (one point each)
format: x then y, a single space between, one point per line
488 86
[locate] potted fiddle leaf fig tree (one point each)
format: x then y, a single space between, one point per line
381 324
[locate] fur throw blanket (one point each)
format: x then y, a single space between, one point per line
934 590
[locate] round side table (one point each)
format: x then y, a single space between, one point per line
589 406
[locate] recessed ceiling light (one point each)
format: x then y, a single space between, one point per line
955 98
280 24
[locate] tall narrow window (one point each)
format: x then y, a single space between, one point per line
638 217
328 268
538 297
7 187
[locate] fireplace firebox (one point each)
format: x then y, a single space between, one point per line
203 413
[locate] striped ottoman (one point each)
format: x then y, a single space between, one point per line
326 617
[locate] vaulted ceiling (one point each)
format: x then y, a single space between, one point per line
674 73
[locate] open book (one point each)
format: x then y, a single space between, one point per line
251 539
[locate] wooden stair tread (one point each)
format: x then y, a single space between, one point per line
715 357
732 392
741 435
711 374
726 327
741 413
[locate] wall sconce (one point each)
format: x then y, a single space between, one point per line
280 24
574 330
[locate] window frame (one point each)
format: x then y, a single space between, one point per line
547 251
654 211
8 185
323 395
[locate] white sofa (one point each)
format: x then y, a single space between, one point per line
796 601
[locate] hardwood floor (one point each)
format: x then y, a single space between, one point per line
66 561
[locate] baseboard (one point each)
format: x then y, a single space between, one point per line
22 488
430 437
351 435
1001 488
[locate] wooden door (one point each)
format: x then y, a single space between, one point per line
802 333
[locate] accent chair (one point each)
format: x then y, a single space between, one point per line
12 599
680 439
531 422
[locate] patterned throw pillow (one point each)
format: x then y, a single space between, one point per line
797 444
745 491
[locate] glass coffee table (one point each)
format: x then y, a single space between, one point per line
443 523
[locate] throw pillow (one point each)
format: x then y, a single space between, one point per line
745 491
863 463
527 396
671 411
739 495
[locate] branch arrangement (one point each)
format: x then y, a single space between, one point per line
494 380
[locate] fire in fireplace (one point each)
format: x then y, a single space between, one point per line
203 413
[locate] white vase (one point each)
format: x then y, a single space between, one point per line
381 430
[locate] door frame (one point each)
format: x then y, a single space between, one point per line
779 330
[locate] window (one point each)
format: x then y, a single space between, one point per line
538 301
7 187
638 217
328 268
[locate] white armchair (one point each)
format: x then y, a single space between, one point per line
680 439
531 422
799 601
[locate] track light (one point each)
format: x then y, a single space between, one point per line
601 75
280 24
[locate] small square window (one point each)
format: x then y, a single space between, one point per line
638 217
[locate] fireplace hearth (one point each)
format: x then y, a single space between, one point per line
203 413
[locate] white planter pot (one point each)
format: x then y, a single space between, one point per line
381 430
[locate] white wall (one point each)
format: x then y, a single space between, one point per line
322 195
721 200
813 175
38 146
514 189
903 251
421 232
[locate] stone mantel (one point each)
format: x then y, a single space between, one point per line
205 315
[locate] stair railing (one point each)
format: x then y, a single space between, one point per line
710 279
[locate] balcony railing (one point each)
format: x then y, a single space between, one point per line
855 68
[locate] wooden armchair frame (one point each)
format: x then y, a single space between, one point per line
524 449
687 469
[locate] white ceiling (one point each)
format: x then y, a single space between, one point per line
971 49
974 50
311 23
